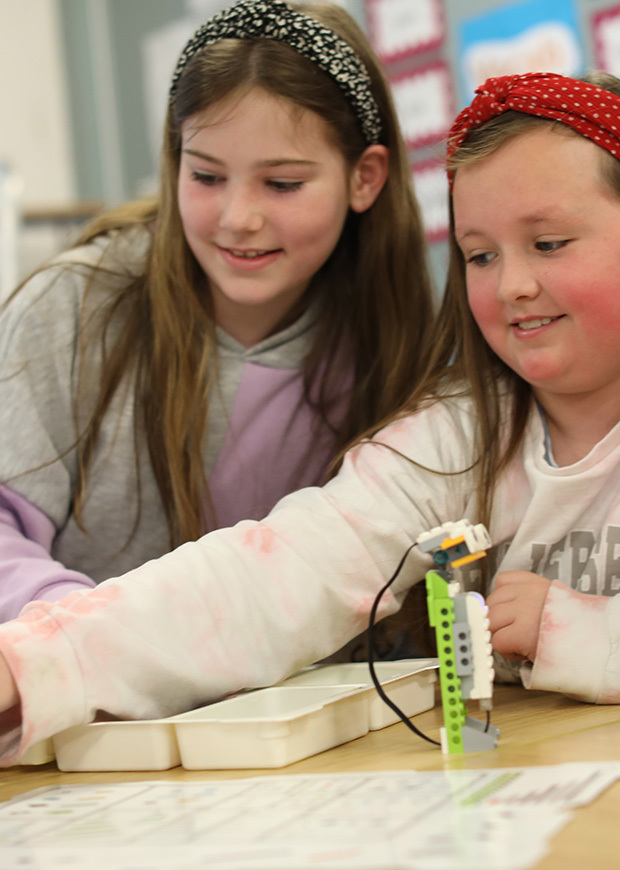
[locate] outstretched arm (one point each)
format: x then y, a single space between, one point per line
239 608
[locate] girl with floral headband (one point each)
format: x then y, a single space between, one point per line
192 360
516 425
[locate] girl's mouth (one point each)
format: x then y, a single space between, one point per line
249 259
535 322
247 255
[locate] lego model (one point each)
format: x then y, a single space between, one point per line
463 638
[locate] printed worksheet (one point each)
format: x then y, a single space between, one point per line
501 818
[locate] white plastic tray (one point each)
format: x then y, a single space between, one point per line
140 745
271 727
39 753
409 683
314 710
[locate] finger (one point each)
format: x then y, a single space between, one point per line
513 578
500 616
501 596
505 643
505 578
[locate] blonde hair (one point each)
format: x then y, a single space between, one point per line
374 290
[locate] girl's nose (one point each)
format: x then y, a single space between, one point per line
240 211
517 280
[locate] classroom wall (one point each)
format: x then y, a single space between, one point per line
86 104
36 134
84 123
37 158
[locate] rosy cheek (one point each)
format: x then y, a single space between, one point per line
484 307
601 316
600 329
195 206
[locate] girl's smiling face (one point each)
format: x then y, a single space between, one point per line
540 234
263 196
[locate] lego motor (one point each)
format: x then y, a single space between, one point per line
462 632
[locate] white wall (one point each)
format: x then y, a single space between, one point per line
35 133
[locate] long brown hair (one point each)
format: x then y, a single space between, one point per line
374 290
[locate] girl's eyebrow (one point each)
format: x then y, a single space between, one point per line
543 217
528 220
460 238
276 161
282 161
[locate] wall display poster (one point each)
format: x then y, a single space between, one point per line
606 37
398 28
527 36
424 103
430 183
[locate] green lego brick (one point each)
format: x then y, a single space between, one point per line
441 617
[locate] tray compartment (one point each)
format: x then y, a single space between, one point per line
271 727
138 745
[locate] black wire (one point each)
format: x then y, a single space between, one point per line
371 654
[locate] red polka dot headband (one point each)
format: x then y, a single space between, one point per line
592 111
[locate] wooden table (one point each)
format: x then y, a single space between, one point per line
537 728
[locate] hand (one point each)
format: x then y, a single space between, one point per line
515 610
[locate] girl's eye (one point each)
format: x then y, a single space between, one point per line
550 247
206 178
481 259
284 186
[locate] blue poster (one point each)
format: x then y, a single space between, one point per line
527 36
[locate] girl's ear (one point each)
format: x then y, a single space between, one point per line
368 177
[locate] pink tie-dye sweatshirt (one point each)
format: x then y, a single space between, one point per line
244 607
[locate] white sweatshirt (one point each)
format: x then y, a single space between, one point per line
244 607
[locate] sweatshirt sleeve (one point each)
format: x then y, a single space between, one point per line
239 608
578 650
38 462
38 341
27 570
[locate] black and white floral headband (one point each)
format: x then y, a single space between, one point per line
274 19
